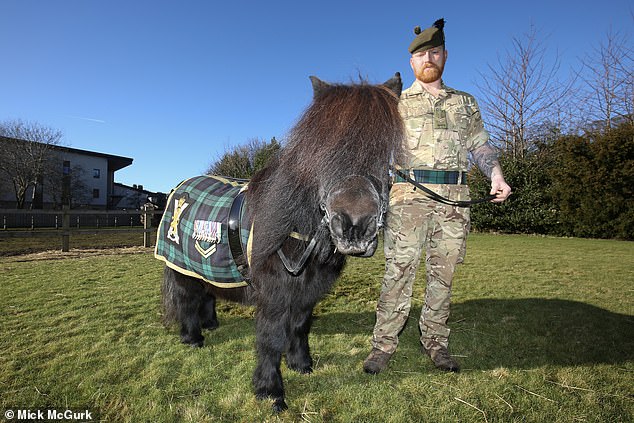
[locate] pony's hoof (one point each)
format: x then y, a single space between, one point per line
210 325
279 405
193 342
300 363
306 370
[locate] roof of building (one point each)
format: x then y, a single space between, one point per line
114 162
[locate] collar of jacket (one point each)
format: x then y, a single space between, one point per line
417 89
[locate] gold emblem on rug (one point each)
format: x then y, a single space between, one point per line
179 206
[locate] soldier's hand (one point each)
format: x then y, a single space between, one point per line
500 189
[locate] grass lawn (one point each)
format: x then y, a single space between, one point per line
543 328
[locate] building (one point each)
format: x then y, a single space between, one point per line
132 197
86 178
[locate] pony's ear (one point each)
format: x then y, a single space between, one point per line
394 84
318 85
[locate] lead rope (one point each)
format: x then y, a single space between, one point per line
437 197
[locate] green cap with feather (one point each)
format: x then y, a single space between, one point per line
433 36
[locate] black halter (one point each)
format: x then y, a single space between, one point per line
297 268
325 221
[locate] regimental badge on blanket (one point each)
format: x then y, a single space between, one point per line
205 230
180 205
209 233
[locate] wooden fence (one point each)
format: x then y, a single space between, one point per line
66 223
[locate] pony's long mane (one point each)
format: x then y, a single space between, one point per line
347 130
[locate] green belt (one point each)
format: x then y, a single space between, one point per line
436 177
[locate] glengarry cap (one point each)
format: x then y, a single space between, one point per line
433 36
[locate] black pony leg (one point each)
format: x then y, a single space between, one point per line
298 352
187 294
207 312
271 338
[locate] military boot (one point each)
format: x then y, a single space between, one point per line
376 361
441 358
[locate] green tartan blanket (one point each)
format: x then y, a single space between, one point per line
193 234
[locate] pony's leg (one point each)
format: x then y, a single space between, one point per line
186 296
208 317
271 336
298 352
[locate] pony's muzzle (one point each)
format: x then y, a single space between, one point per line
354 236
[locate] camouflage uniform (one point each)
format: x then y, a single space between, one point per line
440 133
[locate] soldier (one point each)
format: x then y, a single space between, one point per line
444 127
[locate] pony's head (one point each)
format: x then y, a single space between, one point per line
333 168
364 132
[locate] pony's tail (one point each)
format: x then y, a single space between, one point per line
169 303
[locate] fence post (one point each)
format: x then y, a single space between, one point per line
147 224
65 228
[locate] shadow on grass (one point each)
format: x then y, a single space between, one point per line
525 333
486 334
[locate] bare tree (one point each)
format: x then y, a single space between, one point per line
608 76
522 98
78 192
27 159
244 160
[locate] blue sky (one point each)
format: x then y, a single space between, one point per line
173 84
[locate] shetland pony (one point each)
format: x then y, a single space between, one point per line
330 184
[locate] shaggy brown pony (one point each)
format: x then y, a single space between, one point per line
330 183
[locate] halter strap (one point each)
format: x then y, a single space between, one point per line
325 220
297 268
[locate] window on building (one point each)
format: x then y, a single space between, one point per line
96 173
95 193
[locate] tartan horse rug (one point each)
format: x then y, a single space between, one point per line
201 234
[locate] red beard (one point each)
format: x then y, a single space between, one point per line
429 72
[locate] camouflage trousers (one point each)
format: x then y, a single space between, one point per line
416 224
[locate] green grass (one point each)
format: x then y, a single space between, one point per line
543 328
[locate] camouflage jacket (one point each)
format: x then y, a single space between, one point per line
440 131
